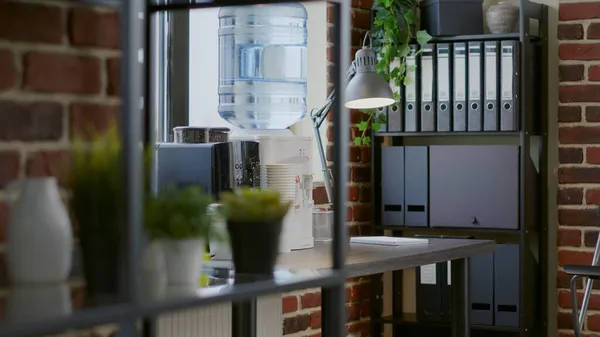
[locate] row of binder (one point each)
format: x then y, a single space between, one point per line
462 86
494 289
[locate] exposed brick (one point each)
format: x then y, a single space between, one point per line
362 212
364 4
594 73
574 257
569 114
592 114
296 324
358 292
563 280
571 72
579 135
90 28
48 164
62 73
579 51
592 155
579 11
570 155
579 93
578 217
22 22
8 69
354 155
365 194
30 121
568 238
593 31
311 300
353 193
320 195
361 19
569 196
593 322
9 170
360 174
590 238
592 197
87 120
315 319
570 32
289 304
113 74
362 328
563 320
578 175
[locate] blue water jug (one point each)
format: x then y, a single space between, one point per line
262 65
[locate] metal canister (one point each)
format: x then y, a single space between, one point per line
195 135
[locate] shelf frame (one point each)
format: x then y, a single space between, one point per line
532 234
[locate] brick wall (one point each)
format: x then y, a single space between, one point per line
302 309
58 74
579 150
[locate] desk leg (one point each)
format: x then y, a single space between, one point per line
461 299
244 318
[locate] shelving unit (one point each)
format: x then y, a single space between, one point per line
138 100
531 235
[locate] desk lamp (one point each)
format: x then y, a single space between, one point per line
365 90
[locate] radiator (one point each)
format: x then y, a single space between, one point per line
215 320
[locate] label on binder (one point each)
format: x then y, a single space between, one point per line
507 72
459 74
429 274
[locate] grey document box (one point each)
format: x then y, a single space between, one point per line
506 285
474 186
392 185
482 289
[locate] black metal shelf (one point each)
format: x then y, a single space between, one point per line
482 37
173 5
449 134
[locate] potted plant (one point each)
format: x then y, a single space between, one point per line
180 220
393 30
96 206
254 223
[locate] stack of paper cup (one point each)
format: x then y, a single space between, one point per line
283 178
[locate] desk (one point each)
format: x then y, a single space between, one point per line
363 260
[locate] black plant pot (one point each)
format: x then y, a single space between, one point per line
254 248
101 267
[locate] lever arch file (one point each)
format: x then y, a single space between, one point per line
491 61
459 111
509 77
427 88
429 292
443 87
474 113
394 123
482 289
392 192
416 186
411 108
385 112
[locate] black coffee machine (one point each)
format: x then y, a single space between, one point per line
216 167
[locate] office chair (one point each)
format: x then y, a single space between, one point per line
591 272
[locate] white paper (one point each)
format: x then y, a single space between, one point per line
449 273
428 274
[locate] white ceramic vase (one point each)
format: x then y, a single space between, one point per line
26 302
183 261
40 237
502 18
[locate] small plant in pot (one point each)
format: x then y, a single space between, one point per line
180 220
254 224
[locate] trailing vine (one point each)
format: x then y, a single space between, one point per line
393 30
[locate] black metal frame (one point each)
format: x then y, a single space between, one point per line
533 232
140 90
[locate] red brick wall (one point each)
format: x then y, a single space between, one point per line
579 150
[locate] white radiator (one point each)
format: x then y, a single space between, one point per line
215 320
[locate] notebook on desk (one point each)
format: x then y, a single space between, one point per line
387 241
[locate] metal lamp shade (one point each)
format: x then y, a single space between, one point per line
368 90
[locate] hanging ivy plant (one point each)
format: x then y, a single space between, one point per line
393 30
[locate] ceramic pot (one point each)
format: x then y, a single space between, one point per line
40 237
254 247
183 261
27 302
502 18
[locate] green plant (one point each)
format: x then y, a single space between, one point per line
179 214
393 30
253 205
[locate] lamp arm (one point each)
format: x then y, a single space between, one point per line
319 116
